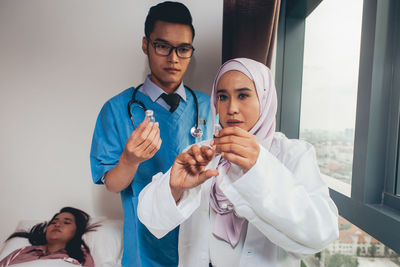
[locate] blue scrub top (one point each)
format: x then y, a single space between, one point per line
113 128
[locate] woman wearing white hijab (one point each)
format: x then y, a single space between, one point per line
250 196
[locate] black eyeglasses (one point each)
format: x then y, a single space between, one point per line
165 49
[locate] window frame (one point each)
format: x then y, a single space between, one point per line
373 205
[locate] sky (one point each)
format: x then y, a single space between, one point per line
331 62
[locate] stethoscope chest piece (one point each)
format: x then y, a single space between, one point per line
196 132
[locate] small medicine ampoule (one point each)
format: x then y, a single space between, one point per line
150 114
217 126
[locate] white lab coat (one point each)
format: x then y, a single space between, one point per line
283 198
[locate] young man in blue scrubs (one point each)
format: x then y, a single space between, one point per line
125 154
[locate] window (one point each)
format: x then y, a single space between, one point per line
329 87
372 203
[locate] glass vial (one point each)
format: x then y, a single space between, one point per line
150 114
217 126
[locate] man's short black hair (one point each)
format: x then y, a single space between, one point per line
168 11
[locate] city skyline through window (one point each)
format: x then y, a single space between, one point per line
329 89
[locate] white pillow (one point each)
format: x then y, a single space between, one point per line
105 243
17 242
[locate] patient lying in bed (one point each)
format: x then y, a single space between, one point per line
59 241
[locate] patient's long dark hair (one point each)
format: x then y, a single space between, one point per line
37 234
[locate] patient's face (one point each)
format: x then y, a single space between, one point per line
61 229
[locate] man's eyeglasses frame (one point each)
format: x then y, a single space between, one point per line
171 47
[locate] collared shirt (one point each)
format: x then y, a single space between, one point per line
32 253
154 92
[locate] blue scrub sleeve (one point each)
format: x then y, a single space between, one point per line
106 144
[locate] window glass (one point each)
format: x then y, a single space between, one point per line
329 89
354 248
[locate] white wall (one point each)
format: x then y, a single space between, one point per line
59 62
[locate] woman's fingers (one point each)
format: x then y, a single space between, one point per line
196 152
194 162
232 131
244 163
237 149
185 175
237 146
207 153
202 155
234 138
207 175
186 159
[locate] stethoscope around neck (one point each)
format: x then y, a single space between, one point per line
195 131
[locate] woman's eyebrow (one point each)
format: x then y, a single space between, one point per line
236 90
243 89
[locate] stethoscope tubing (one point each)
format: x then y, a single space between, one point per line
140 103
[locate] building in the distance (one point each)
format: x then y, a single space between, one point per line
355 242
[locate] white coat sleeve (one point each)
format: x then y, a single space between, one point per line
157 209
286 200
